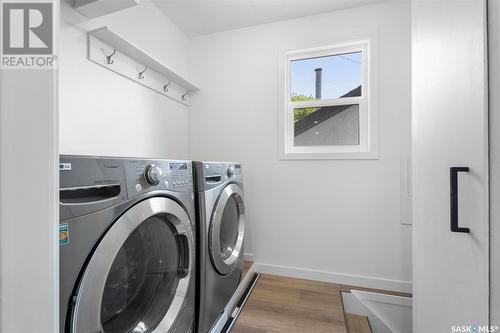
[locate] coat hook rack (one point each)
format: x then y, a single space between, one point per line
141 74
165 87
109 61
115 53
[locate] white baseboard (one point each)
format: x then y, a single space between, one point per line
248 256
340 278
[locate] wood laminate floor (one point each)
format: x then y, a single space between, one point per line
357 324
279 304
287 305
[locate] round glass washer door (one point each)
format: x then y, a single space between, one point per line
227 229
138 277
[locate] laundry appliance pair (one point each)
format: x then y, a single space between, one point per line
141 249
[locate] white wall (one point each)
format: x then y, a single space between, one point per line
334 216
29 214
494 88
103 113
29 264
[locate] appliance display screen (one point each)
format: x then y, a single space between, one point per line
178 166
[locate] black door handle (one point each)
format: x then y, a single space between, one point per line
454 199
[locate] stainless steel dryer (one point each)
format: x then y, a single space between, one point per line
221 227
127 245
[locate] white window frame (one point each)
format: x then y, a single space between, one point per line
368 134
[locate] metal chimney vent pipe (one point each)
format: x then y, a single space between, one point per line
318 82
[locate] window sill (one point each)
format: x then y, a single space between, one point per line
330 156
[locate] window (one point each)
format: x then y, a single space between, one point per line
327 103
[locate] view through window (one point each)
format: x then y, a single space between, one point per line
326 104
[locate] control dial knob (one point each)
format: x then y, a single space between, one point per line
153 174
230 171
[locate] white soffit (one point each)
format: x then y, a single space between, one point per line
200 17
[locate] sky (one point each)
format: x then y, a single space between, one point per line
341 73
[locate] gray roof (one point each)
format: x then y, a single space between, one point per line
323 113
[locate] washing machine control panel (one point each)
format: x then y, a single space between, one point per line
153 174
150 175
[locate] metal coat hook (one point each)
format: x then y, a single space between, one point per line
109 61
165 87
141 74
185 95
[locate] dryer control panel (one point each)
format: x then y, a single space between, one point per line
213 174
149 175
